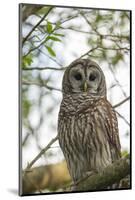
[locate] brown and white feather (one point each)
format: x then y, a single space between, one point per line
87 129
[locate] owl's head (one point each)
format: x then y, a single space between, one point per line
84 76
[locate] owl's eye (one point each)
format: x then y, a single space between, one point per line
92 77
78 76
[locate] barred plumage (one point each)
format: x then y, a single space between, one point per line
87 126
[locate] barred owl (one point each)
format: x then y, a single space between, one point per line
87 124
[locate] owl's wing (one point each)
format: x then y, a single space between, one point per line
108 120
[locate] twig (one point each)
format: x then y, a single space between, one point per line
116 80
44 68
85 54
50 57
100 49
115 49
122 37
44 41
40 154
42 19
29 10
98 33
25 139
120 103
25 82
122 117
34 48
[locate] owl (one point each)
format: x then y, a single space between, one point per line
87 124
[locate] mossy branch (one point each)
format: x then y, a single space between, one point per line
111 174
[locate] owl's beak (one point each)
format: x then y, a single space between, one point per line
85 86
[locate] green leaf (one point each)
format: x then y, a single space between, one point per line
51 51
117 58
43 10
58 34
53 38
26 107
124 153
58 25
98 18
49 27
27 60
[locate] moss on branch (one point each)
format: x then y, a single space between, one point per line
111 174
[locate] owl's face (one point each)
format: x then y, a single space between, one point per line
84 76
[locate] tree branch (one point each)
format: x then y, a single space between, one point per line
56 176
44 68
25 82
121 102
91 50
43 42
29 10
111 174
122 117
51 58
40 154
42 19
116 80
106 36
101 48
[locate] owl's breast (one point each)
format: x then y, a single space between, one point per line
74 130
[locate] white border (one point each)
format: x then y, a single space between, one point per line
9 99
